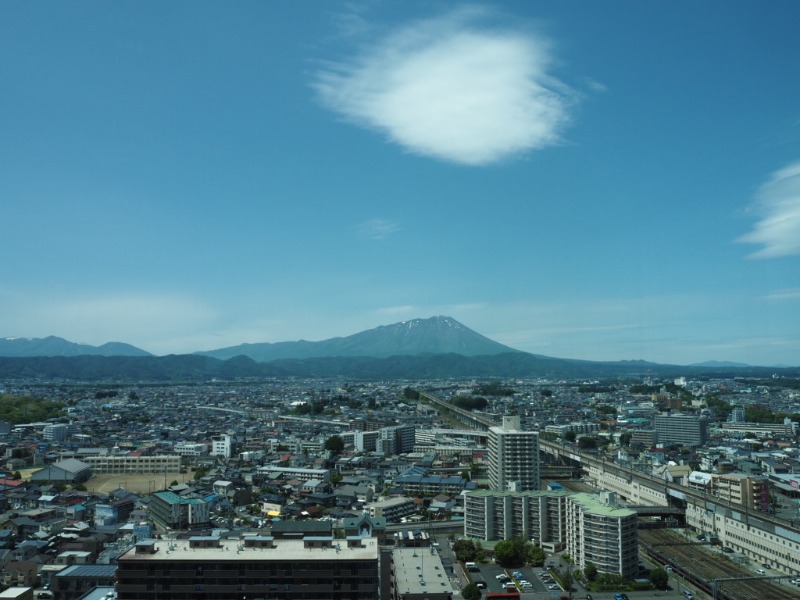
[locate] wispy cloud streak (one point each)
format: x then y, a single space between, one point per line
377 229
778 206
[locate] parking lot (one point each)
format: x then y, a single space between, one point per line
491 579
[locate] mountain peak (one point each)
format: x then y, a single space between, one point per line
434 335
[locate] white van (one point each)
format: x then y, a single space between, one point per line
761 571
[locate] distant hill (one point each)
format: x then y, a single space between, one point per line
56 346
436 335
194 368
713 364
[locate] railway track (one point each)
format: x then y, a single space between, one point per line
701 566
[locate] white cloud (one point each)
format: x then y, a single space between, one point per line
454 89
778 206
377 229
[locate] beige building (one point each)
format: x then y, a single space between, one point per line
742 489
134 465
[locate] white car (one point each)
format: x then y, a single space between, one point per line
796 581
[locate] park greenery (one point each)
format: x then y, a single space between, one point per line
25 409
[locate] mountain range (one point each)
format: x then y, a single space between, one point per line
56 346
434 348
436 335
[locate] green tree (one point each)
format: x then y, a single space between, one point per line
17 475
590 571
587 443
335 444
468 551
659 577
569 436
535 555
511 553
625 439
471 592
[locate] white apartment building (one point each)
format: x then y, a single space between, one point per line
190 449
222 445
602 533
539 517
513 457
591 527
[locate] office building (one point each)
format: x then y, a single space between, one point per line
513 457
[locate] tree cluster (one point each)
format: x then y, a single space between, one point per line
24 409
469 402
517 552
469 551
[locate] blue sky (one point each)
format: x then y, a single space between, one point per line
603 181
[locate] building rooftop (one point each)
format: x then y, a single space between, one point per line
419 571
594 504
235 549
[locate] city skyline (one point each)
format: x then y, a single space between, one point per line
607 182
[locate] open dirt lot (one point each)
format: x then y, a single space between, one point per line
138 484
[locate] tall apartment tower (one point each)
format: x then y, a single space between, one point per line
513 457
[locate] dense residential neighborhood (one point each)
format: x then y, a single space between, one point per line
297 480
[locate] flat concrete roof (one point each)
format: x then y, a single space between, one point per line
233 549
